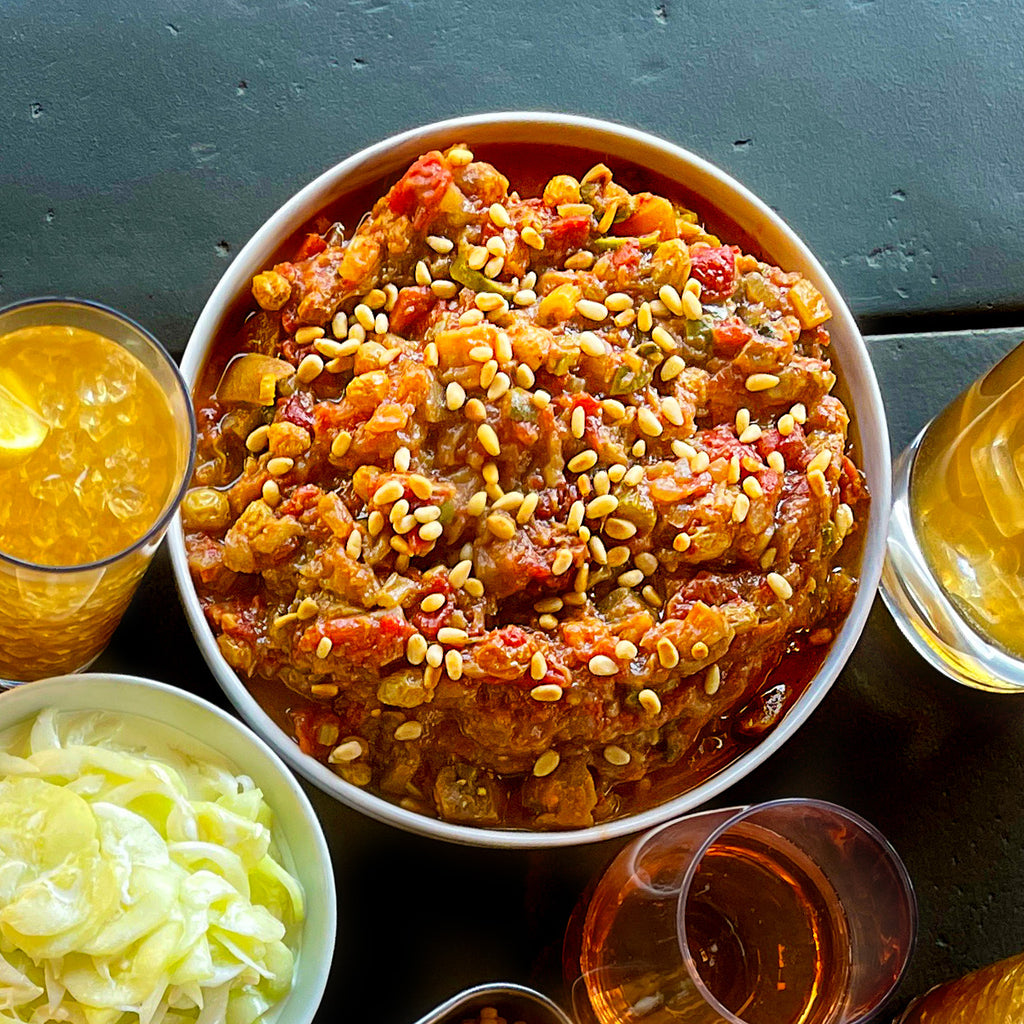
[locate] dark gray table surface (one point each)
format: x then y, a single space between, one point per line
142 144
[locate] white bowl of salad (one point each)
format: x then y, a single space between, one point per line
158 862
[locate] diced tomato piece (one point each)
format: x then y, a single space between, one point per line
298 409
362 639
428 623
419 191
238 618
557 675
721 443
851 482
313 726
730 336
771 482
590 404
715 269
411 306
592 416
513 636
392 626
793 446
312 245
626 257
300 500
503 656
565 234
328 417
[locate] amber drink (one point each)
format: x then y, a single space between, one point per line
96 441
793 912
990 995
954 573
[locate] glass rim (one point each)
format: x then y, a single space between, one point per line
743 814
163 521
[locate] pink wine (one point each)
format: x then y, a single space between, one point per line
764 927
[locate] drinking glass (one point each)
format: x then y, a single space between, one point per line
953 577
56 619
789 912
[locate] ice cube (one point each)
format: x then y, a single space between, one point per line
69 458
1002 599
55 410
43 530
94 422
1000 485
51 490
105 387
126 501
91 493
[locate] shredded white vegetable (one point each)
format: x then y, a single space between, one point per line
138 879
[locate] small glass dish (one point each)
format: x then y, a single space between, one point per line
512 1003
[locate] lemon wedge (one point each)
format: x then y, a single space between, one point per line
22 429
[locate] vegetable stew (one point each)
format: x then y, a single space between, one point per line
521 510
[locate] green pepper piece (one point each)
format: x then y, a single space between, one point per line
699 334
564 364
435 407
626 381
618 241
521 407
462 272
637 507
610 242
649 350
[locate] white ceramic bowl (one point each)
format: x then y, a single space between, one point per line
717 193
296 827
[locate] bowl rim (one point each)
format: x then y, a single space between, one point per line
858 375
310 857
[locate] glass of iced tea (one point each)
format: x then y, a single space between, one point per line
954 571
789 912
97 438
